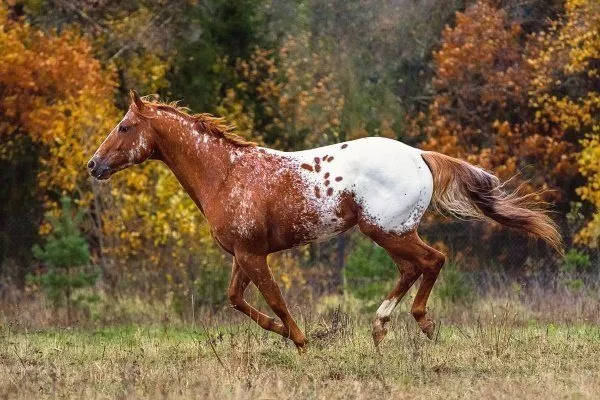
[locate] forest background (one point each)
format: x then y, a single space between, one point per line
512 86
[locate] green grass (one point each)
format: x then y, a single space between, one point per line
494 358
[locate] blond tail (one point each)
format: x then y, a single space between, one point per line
464 190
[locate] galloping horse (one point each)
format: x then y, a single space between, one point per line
258 201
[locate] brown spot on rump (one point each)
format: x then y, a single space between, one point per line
317 192
330 159
317 160
327 182
339 178
326 175
325 157
344 145
307 167
318 168
329 191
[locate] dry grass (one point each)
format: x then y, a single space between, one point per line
512 342
497 354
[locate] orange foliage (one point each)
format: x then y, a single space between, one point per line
39 74
57 93
482 111
54 91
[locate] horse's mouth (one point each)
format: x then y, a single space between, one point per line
102 173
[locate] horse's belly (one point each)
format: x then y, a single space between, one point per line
322 222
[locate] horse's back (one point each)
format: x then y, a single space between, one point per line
389 180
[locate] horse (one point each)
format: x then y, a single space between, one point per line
259 201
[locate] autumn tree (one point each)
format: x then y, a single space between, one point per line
497 102
286 98
481 110
59 97
565 92
56 96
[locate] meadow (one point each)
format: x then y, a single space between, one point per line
496 347
118 290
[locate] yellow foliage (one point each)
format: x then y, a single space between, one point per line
565 90
58 94
507 104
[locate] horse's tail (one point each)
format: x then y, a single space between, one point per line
464 190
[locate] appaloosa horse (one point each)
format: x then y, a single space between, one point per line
258 201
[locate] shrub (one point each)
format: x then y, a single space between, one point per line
67 257
369 272
454 287
576 261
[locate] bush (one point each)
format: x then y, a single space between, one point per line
67 257
369 272
576 261
454 287
211 286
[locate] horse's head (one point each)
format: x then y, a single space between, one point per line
130 142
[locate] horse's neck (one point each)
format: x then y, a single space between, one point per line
201 162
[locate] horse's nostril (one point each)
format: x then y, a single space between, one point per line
91 164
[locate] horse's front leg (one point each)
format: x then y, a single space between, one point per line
255 267
237 286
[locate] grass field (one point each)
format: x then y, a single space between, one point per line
495 356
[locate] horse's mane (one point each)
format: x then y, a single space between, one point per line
208 123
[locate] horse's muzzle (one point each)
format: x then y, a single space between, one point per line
98 170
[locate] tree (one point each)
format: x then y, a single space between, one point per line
216 34
481 108
59 97
497 103
565 92
55 100
286 98
67 257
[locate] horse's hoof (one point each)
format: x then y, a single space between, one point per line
302 349
379 332
428 328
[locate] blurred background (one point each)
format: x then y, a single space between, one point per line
512 86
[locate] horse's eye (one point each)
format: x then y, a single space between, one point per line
123 128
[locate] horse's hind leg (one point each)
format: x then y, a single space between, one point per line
432 262
237 286
409 273
257 269
421 259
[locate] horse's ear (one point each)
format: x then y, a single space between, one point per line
135 98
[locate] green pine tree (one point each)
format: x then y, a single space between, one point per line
67 256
